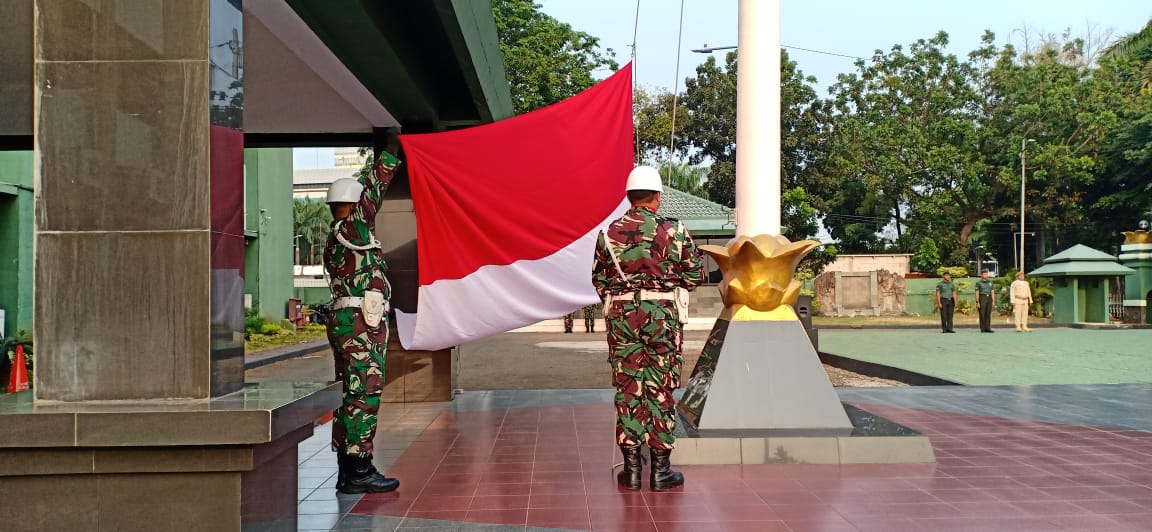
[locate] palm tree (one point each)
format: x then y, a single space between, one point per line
311 220
1136 46
685 177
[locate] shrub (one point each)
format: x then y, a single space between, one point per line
270 328
956 271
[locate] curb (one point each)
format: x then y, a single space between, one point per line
265 357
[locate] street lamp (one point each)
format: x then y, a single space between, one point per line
709 49
1025 143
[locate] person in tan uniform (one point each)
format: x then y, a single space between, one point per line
1021 293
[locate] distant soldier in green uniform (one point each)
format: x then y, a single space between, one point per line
358 324
985 300
644 267
946 302
590 318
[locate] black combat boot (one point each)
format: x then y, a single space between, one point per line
663 477
362 477
342 473
629 477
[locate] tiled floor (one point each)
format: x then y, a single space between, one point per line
540 460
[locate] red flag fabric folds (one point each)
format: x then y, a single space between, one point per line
507 214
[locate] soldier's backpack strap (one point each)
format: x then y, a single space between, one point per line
612 253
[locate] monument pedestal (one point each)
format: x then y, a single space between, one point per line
759 395
164 465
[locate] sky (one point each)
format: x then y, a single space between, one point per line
853 28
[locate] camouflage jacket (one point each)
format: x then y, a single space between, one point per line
655 254
352 272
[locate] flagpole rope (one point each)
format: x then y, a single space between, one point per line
635 132
675 91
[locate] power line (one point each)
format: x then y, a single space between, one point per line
820 52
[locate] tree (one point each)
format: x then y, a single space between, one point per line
654 127
545 60
938 137
685 177
312 220
710 134
927 257
1137 48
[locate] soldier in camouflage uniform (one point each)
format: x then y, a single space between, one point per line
590 318
643 262
358 323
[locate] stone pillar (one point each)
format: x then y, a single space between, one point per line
139 183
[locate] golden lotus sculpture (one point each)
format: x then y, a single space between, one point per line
1137 237
758 276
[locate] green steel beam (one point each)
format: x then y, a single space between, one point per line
432 64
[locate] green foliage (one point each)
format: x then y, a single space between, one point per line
927 257
815 262
930 142
256 323
8 344
721 183
653 121
709 134
8 356
1042 294
545 60
685 177
312 220
956 271
965 306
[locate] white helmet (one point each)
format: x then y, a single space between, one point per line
644 178
345 190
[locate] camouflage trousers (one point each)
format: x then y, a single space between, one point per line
358 354
644 353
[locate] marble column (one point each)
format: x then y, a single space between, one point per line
139 184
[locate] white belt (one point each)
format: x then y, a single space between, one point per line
645 295
348 301
355 302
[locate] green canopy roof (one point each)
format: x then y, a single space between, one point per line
1081 260
700 216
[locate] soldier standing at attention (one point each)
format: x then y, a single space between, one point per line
644 267
985 300
946 302
590 318
358 324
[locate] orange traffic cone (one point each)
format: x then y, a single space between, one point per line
19 380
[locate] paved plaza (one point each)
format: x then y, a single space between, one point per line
1013 457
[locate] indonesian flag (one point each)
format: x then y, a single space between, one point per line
507 214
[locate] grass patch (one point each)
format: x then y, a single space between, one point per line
873 321
258 342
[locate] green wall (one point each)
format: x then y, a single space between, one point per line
313 295
268 228
16 204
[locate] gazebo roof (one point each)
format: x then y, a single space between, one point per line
700 216
1083 261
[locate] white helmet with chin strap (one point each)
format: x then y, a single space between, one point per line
644 178
345 190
